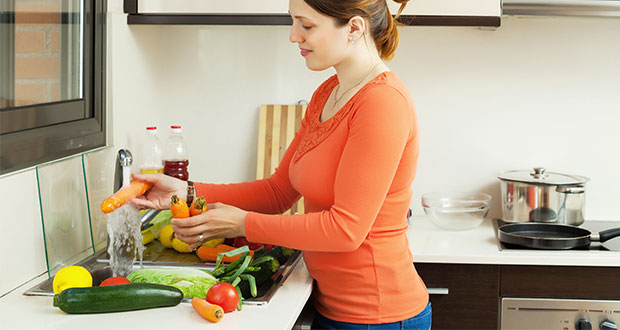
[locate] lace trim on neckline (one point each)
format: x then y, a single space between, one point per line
318 131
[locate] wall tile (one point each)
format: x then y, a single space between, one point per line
22 252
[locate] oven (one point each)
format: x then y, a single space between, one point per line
563 314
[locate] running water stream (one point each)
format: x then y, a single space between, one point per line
123 227
125 246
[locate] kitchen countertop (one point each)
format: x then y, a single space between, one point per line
480 246
36 312
427 243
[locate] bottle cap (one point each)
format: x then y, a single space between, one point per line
175 128
151 129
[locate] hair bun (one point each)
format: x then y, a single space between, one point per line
402 3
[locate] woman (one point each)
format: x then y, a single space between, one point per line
353 160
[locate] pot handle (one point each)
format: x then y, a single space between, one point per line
571 189
608 234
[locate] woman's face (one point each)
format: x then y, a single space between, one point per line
321 42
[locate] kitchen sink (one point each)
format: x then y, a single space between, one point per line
99 267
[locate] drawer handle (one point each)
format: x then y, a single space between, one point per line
443 291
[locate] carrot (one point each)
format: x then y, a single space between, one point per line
225 248
199 205
135 189
178 207
207 253
211 312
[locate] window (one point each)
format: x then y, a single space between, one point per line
51 80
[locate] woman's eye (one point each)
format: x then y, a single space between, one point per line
306 27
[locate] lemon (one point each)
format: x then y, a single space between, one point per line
165 236
180 246
147 236
72 277
213 242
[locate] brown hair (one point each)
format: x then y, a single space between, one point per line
382 26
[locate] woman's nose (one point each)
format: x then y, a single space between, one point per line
294 36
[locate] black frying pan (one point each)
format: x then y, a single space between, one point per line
552 236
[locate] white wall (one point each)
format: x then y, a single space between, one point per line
534 92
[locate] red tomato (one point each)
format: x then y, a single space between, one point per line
114 281
224 295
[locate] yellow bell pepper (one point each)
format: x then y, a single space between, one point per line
214 242
147 236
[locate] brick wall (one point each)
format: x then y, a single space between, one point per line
37 51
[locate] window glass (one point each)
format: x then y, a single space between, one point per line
52 85
43 51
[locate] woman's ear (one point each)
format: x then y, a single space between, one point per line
357 27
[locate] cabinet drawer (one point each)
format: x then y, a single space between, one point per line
467 295
560 282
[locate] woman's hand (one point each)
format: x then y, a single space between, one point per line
219 220
158 197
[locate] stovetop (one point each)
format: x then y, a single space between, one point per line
612 245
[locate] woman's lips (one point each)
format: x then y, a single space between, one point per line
305 52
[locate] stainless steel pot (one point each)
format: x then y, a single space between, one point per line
541 196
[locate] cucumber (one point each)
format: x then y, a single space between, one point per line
117 298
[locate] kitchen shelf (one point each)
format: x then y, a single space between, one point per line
136 18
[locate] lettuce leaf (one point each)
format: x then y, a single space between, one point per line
192 282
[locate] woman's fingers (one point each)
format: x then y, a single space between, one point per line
142 202
218 221
145 177
190 231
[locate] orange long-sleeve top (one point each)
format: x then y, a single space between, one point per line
355 172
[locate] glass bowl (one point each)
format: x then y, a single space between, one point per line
456 210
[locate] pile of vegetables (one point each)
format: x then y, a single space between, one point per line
239 272
75 293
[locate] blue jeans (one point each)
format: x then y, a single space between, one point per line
421 321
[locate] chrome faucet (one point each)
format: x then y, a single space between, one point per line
123 159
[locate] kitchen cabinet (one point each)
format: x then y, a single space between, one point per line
275 12
468 296
560 282
213 7
451 8
462 296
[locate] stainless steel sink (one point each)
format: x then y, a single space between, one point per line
99 267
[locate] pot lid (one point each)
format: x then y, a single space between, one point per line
540 176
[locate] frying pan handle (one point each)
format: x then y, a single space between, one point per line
608 234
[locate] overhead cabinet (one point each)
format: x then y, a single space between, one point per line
213 7
452 10
275 12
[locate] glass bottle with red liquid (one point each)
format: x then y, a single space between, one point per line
175 155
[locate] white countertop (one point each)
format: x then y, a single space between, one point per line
427 243
480 246
21 312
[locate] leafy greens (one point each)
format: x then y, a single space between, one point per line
192 282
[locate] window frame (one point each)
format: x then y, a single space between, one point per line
74 126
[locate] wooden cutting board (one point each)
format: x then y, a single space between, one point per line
276 129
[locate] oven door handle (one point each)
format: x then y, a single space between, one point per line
438 291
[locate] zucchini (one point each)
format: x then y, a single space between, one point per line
117 298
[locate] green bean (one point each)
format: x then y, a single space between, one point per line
252 282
